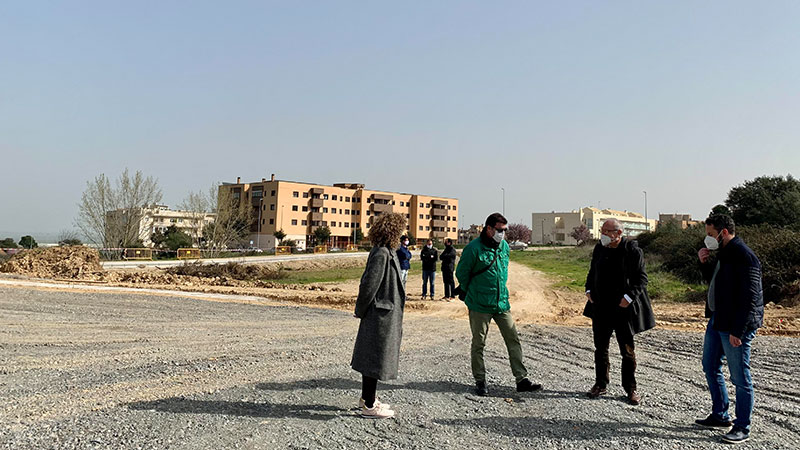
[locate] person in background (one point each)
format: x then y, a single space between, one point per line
404 257
429 255
448 258
380 303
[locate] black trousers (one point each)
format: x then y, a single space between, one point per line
602 330
449 283
369 387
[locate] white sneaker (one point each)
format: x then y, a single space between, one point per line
362 404
376 412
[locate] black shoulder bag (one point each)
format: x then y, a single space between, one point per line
462 294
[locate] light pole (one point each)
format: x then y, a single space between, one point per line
542 231
258 232
645 211
504 200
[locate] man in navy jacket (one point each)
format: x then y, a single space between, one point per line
735 308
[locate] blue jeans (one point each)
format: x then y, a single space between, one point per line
716 345
427 275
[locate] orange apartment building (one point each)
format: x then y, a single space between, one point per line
299 208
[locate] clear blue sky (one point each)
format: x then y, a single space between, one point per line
564 104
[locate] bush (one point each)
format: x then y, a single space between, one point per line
675 250
232 270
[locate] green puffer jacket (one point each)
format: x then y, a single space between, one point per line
486 292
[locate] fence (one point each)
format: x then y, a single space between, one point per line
283 250
189 253
321 249
137 253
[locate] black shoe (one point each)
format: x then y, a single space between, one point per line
737 435
480 388
713 422
526 386
597 391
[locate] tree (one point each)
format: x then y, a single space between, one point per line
28 242
200 206
110 216
232 218
581 234
279 234
172 238
720 209
8 243
68 237
766 200
518 232
321 235
359 235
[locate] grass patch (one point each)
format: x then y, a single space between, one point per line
568 268
331 275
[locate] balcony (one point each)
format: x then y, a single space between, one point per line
439 234
315 216
315 203
381 208
439 223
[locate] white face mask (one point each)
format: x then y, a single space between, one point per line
605 240
498 236
711 243
405 242
429 245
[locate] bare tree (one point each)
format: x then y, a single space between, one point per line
232 221
69 237
581 234
110 216
199 205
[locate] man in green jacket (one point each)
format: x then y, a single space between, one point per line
482 273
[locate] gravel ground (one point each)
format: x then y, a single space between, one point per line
101 370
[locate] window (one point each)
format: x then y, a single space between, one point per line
421 216
272 207
172 220
340 224
305 208
421 204
295 194
347 224
334 197
273 194
340 211
347 212
448 206
262 222
401 203
420 228
258 194
394 203
427 205
333 224
369 200
324 210
314 209
324 223
324 196
427 216
305 194
367 224
427 228
347 199
368 212
408 216
294 221
454 207
304 223
294 207
272 221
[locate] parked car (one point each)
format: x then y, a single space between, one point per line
518 245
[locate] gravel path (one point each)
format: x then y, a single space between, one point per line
101 370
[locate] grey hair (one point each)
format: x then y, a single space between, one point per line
617 224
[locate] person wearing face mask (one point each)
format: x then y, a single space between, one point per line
735 309
429 256
404 257
482 274
617 303
448 259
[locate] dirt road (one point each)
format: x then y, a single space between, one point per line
120 370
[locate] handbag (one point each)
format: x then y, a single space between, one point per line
461 293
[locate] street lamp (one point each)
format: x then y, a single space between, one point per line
647 224
504 200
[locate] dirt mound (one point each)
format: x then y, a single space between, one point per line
55 262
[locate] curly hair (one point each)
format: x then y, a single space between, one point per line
387 230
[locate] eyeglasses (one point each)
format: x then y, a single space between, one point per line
501 230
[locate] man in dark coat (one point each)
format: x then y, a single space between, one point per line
448 258
616 289
735 308
429 255
404 257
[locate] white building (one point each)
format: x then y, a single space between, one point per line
556 227
160 217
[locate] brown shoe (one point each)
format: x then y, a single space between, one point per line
597 391
634 398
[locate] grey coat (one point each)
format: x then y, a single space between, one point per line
381 299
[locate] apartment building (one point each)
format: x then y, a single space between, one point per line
160 217
466 235
555 227
684 221
299 208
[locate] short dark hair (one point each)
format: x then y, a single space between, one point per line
448 241
721 222
494 219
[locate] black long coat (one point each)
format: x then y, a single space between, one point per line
640 312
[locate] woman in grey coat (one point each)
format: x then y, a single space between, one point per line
380 303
